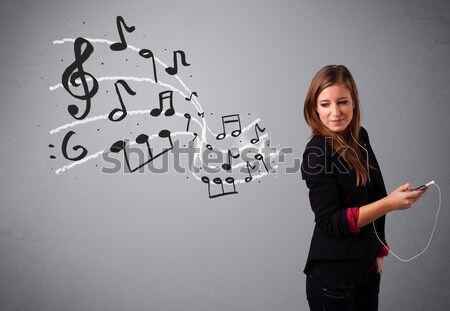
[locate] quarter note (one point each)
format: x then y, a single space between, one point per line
255 140
173 70
249 177
227 166
188 117
75 72
122 45
232 118
218 181
163 96
145 53
122 109
190 98
77 147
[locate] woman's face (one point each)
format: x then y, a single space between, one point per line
335 107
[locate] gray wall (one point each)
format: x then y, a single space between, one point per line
86 240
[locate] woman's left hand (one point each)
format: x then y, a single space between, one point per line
380 262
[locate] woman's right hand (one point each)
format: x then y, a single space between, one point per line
401 198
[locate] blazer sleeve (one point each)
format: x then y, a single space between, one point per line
380 222
318 170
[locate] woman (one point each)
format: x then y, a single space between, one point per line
348 198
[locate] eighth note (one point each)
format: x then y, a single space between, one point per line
162 96
227 166
122 109
255 140
190 98
122 45
173 70
249 177
232 118
218 181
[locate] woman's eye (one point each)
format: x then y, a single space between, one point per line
324 105
342 102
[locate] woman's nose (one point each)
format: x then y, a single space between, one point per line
335 110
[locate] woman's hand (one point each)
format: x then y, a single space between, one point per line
401 199
380 263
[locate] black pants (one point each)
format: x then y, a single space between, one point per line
337 296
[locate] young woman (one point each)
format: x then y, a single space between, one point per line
348 198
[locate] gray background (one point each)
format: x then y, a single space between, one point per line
84 240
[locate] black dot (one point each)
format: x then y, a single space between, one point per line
105 34
42 78
240 141
191 76
165 49
249 113
137 123
103 63
62 60
84 22
211 113
107 91
98 130
187 177
96 165
259 181
126 59
38 125
143 36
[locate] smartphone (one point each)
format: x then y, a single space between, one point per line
424 186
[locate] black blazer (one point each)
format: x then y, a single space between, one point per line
332 189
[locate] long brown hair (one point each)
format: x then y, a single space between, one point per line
325 77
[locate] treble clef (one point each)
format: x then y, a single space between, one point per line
74 73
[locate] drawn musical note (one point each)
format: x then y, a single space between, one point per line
208 146
64 148
188 117
141 139
255 140
74 72
173 70
190 98
227 166
218 181
122 109
195 136
232 118
122 45
162 96
249 178
260 157
149 54
201 114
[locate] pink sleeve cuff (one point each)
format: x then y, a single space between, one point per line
352 218
383 251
